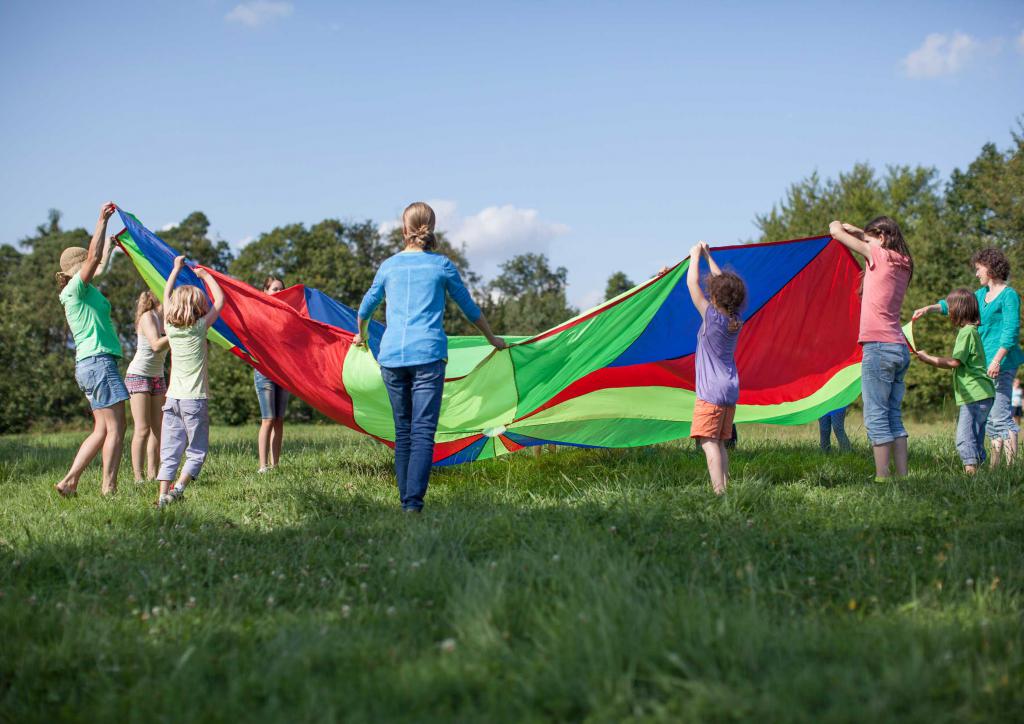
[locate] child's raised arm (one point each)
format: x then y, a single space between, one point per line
715 270
92 260
847 235
216 292
693 281
179 262
149 329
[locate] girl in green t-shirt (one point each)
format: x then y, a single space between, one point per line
972 387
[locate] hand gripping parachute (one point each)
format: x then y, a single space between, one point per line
618 375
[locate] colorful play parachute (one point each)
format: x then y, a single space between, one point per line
618 375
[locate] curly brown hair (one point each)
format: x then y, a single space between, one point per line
995 261
963 307
728 293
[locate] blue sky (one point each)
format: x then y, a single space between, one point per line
606 135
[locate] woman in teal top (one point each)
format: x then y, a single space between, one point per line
999 305
97 350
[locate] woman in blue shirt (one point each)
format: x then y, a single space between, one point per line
414 348
1000 336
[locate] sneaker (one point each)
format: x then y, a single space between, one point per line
263 471
175 494
164 500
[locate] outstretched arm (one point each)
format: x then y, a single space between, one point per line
945 363
496 341
216 292
371 300
179 262
851 237
92 259
918 313
693 281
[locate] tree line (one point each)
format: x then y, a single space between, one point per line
944 223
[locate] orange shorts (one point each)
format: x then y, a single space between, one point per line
713 421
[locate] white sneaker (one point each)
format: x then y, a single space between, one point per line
263 471
164 500
175 494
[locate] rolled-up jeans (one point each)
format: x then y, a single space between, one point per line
415 393
185 432
883 369
970 431
1000 420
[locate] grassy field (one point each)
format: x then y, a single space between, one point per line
583 585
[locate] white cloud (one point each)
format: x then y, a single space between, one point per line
492 234
254 13
941 55
169 226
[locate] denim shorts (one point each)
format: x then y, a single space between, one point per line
882 387
100 380
273 398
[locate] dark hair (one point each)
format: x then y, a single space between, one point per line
889 232
995 261
963 307
728 293
270 280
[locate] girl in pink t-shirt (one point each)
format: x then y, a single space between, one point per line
887 272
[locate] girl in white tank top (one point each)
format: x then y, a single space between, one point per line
147 386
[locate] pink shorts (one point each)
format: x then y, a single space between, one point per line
139 385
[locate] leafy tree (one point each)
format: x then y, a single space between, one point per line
618 283
528 296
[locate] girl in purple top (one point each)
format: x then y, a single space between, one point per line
718 382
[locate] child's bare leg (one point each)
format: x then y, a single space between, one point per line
183 480
899 449
263 442
140 436
1010 449
996 452
112 446
276 438
713 453
724 463
881 453
156 402
88 450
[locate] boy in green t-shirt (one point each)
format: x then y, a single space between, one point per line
973 389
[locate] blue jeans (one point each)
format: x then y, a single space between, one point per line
835 420
1000 421
100 380
272 397
970 431
415 394
882 371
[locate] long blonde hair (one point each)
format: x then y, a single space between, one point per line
147 303
418 221
187 306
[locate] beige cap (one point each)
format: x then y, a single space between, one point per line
71 259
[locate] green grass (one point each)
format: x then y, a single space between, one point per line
597 585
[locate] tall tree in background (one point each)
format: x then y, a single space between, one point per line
528 296
618 283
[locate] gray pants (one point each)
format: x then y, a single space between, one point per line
185 431
970 431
